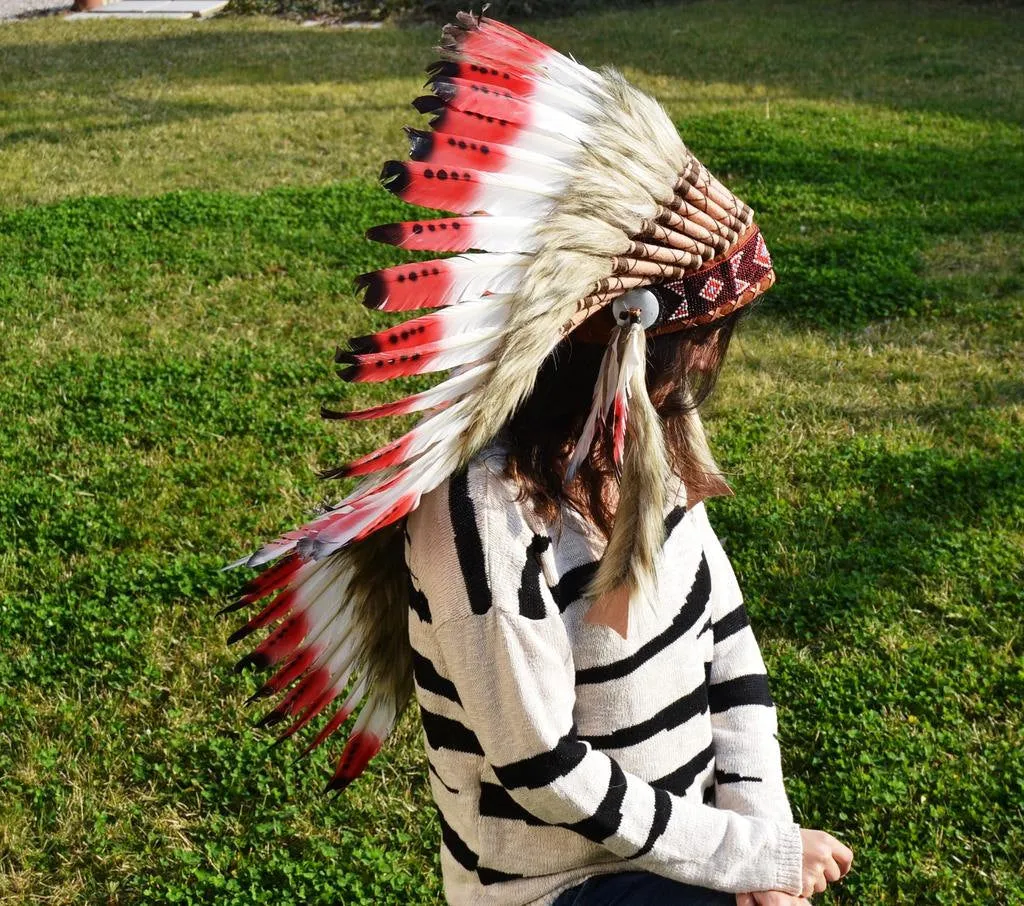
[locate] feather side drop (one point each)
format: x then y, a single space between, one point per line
379 598
348 620
625 579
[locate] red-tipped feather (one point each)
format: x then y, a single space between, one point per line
417 332
457 151
385 366
416 360
400 407
275 610
444 188
453 234
388 455
375 508
359 750
303 701
431 284
283 641
271 579
283 708
340 716
517 81
475 97
383 503
310 689
449 121
497 30
287 674
461 234
494 45
427 284
429 330
557 145
341 526
437 397
400 510
484 40
314 710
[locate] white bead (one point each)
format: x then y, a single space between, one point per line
640 300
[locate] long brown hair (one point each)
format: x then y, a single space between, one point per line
682 369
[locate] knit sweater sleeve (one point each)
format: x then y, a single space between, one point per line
748 763
513 670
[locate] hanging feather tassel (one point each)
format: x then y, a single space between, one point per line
632 358
623 359
604 390
626 574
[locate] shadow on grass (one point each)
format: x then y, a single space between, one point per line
955 58
249 56
863 532
947 58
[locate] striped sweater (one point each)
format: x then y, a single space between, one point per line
557 749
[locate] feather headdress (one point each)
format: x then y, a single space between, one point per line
573 192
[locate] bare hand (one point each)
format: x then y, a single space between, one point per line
770 898
825 860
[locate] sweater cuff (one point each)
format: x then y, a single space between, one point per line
790 865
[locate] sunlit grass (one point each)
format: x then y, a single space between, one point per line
166 351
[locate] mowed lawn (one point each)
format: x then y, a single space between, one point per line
181 216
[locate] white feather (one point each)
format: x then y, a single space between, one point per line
501 196
474 275
377 716
436 426
487 314
561 148
321 599
604 393
355 694
448 390
563 96
524 164
504 234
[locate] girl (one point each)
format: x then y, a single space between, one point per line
560 751
534 556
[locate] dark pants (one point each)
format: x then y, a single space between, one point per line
638 888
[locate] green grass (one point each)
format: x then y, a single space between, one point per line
182 213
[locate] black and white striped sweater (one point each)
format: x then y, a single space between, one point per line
559 750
